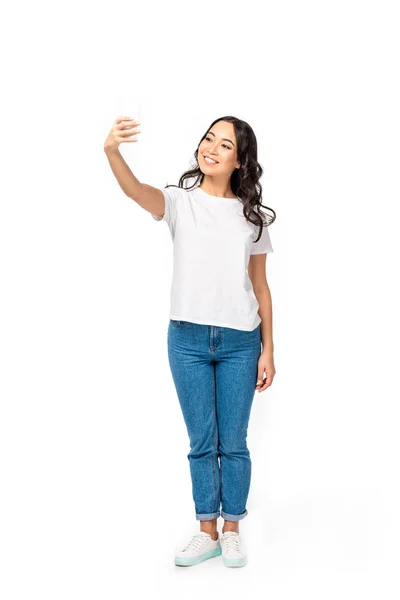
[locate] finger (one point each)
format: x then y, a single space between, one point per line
126 133
130 131
130 138
122 141
119 119
126 124
260 381
260 376
266 384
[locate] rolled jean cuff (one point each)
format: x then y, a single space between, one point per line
229 517
207 517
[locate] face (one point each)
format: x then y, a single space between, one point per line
220 145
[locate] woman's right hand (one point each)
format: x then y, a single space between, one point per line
124 129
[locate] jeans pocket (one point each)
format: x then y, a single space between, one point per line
179 324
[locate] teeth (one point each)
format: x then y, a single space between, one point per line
210 160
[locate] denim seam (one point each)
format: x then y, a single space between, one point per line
214 445
221 331
219 335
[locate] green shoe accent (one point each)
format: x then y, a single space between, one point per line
194 560
235 562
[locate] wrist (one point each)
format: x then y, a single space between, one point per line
267 351
111 150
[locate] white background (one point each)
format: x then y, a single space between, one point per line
96 492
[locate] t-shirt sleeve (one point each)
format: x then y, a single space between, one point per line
263 246
171 195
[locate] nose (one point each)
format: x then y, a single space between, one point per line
213 147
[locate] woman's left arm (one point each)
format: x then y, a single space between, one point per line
257 274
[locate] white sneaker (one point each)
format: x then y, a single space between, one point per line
200 547
233 553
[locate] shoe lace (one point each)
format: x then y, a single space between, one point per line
231 540
196 542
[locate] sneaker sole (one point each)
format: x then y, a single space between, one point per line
234 562
189 561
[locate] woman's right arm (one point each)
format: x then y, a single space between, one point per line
148 197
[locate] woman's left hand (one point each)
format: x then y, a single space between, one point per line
265 364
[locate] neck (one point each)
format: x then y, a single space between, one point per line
215 188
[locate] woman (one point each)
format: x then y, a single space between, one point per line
220 314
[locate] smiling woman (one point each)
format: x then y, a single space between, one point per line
227 166
220 316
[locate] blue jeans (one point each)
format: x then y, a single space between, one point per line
214 370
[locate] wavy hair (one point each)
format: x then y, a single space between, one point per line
245 181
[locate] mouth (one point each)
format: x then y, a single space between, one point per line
209 161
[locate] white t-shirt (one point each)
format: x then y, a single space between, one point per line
212 243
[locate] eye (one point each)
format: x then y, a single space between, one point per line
208 139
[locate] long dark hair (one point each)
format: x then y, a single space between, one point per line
245 181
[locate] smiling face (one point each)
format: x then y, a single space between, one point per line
220 145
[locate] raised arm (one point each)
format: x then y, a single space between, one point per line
148 197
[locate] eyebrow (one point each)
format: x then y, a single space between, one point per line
225 139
